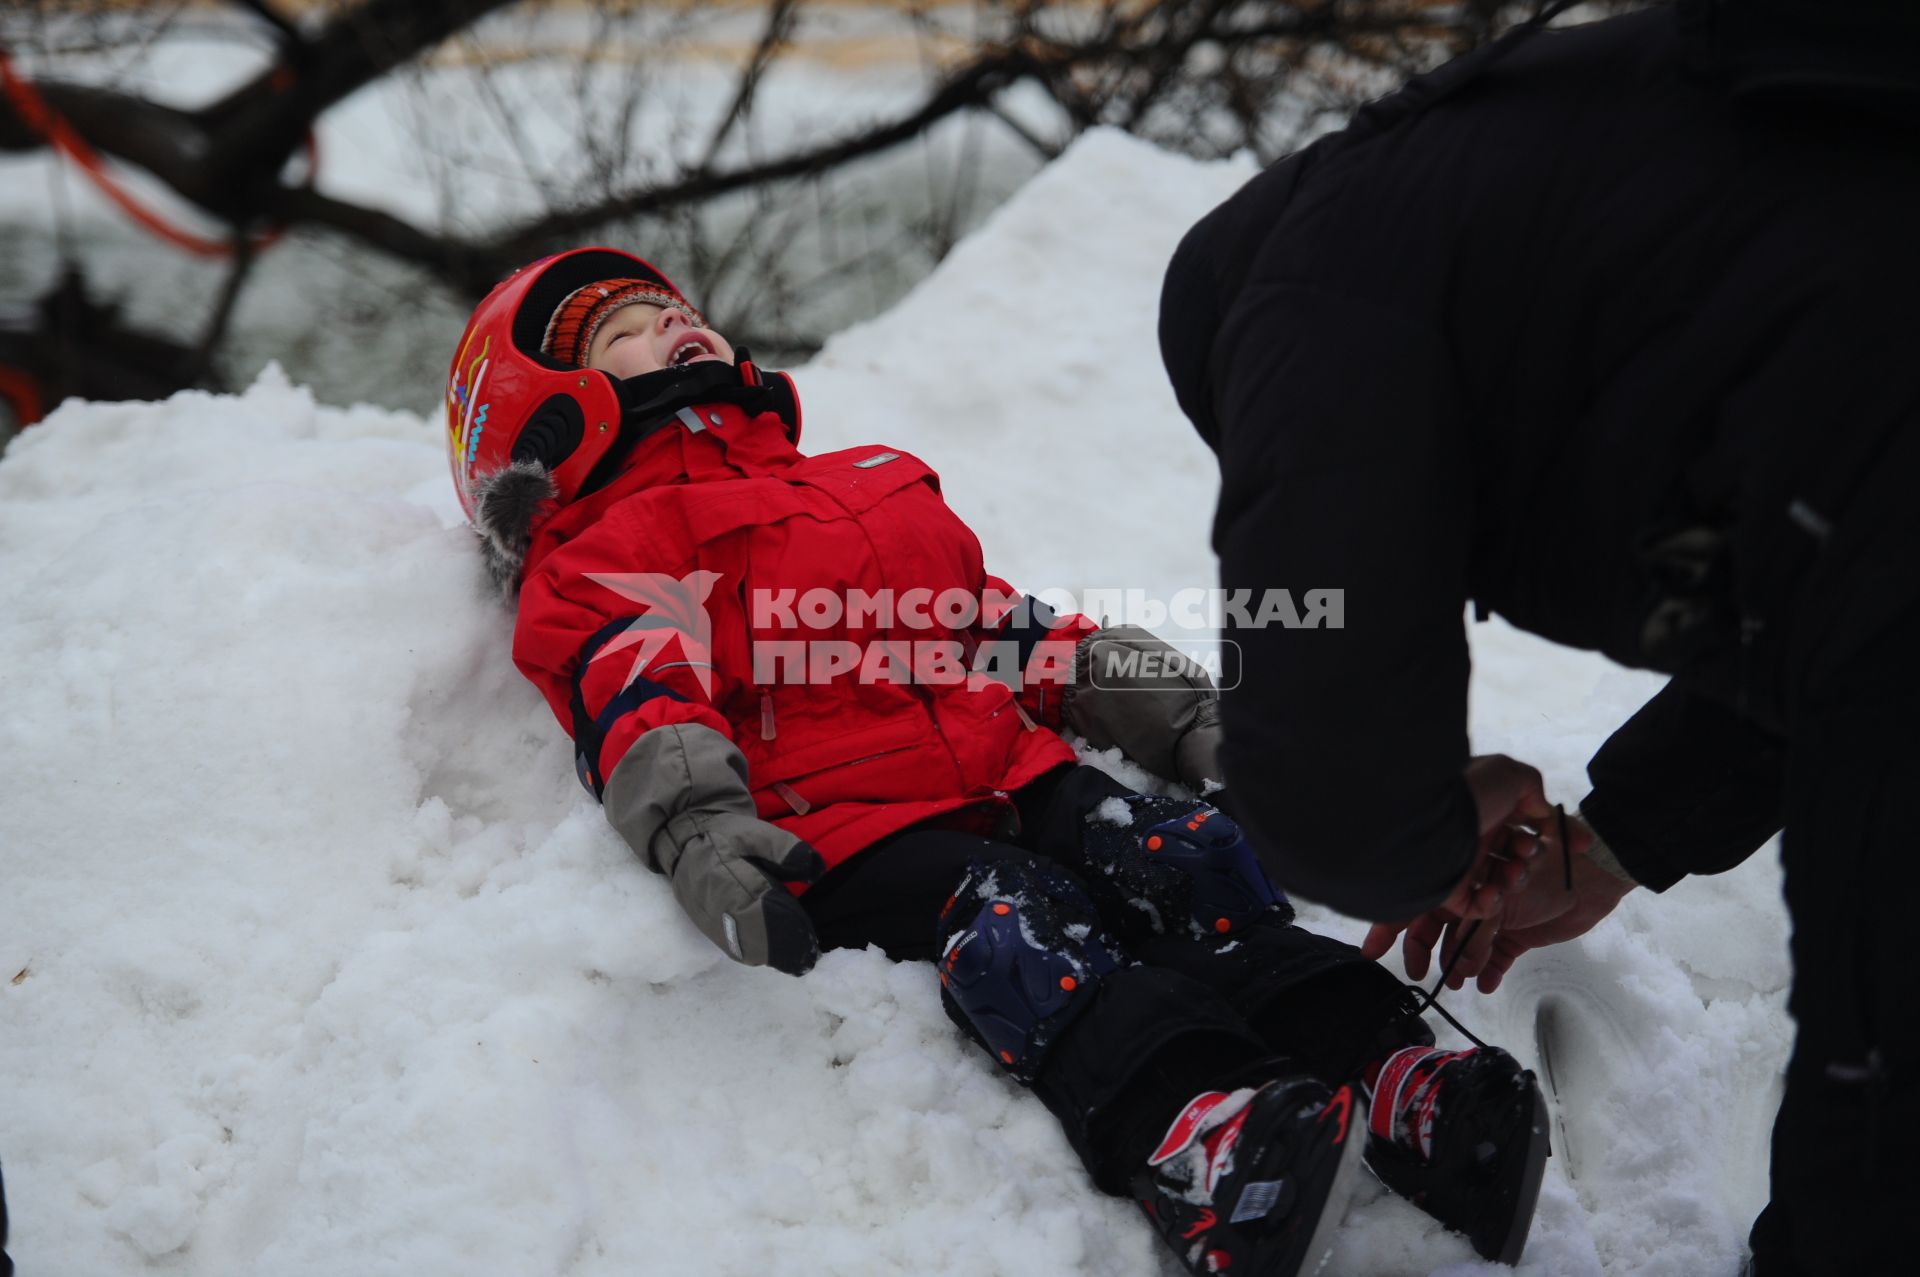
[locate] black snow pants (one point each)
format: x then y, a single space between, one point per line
1844 1171
1189 1016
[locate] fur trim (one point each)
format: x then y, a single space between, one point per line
505 505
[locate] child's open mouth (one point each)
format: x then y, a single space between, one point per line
691 347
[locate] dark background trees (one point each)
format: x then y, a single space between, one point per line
786 221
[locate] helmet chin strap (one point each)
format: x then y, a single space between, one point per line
653 401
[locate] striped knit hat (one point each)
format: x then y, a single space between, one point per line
579 315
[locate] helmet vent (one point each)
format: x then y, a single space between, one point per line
552 433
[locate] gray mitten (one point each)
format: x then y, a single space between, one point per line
680 798
1135 691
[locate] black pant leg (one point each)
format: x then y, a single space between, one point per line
1313 999
1053 811
1843 1172
891 894
1152 1040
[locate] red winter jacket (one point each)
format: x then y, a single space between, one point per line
735 512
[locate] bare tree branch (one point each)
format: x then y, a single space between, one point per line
471 268
1209 75
290 36
972 86
226 158
1044 149
781 15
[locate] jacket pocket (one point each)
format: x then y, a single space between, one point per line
885 776
860 478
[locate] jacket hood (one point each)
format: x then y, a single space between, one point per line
1203 282
1190 305
1862 54
1216 258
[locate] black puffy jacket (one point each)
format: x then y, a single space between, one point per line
1594 333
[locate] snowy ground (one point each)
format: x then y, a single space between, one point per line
326 964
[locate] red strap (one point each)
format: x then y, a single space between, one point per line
1187 1125
65 139
19 388
1405 1097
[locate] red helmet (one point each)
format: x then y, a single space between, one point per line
506 401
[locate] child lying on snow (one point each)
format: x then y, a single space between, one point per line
1122 955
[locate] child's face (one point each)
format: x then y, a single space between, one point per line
641 339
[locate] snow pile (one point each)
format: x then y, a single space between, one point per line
1027 371
325 962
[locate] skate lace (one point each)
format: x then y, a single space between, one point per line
1429 999
1426 1000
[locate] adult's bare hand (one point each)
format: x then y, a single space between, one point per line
1535 925
1541 911
1513 809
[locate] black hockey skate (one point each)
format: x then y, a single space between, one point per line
1462 1135
1255 1182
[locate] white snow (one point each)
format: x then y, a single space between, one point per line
326 963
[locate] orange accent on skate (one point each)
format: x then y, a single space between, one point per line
1003 910
1222 926
1068 983
1153 843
